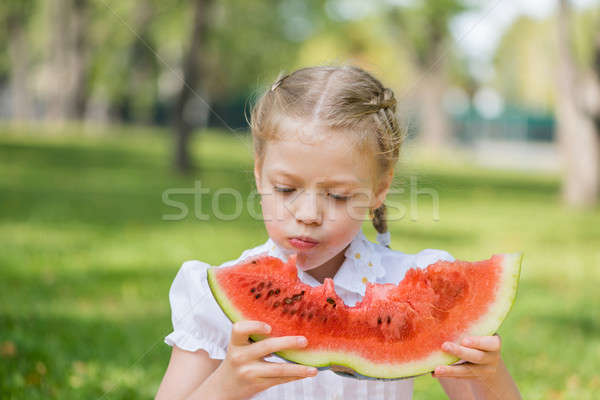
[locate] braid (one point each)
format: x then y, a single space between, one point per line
380 224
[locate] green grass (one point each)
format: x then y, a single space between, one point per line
86 260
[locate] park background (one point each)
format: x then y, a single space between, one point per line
107 105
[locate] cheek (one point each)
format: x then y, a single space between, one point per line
342 225
274 214
274 230
342 231
347 214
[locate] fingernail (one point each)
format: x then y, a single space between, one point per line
268 328
439 370
302 341
447 346
311 371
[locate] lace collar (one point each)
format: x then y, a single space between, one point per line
361 265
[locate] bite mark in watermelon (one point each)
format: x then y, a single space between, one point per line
396 331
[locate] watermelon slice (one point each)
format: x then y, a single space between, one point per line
396 331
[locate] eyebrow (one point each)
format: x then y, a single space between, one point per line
325 182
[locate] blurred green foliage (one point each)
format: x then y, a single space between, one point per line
86 259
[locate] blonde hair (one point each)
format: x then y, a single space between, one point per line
341 98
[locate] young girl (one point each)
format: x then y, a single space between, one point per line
326 140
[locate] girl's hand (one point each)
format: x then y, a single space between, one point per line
244 373
480 357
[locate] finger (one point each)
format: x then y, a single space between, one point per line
283 370
457 371
242 329
268 382
272 345
485 343
468 354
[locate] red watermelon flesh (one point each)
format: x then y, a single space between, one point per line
395 331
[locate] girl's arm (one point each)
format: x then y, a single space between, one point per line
186 371
500 387
482 377
457 389
243 373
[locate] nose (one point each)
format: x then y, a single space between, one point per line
307 209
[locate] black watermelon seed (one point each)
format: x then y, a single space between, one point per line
389 319
297 297
302 315
253 261
334 305
330 300
287 300
257 296
270 293
293 312
379 321
252 290
276 291
302 292
260 286
276 304
310 315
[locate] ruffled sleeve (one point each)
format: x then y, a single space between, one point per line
429 256
198 321
397 263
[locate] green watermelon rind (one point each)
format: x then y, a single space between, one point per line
488 324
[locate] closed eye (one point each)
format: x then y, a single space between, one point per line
338 196
334 196
283 189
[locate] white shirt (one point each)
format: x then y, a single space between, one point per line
199 322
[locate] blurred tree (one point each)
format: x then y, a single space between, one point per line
578 113
14 17
524 63
141 75
237 51
69 58
194 74
422 27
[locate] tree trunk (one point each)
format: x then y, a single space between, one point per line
193 76
143 72
19 69
59 33
435 127
78 93
577 137
68 93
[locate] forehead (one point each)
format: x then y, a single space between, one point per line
311 153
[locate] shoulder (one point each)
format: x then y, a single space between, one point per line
415 260
421 259
396 263
198 321
263 248
192 273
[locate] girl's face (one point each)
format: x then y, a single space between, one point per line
316 190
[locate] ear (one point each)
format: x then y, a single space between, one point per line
383 188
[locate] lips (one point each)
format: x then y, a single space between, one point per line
306 239
303 242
